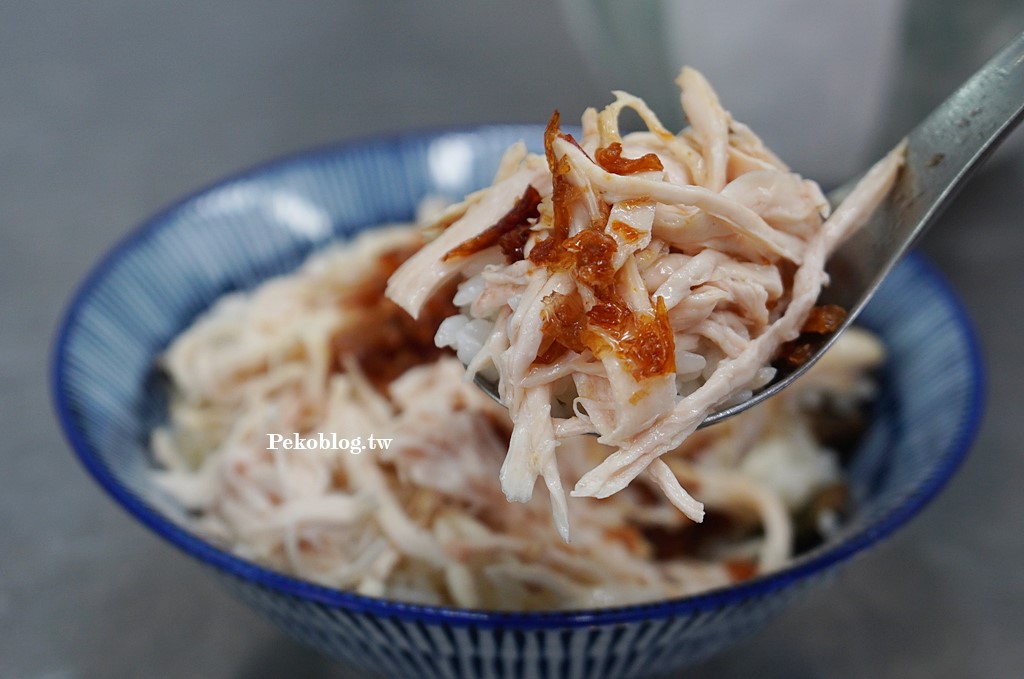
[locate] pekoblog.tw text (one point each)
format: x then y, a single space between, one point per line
324 441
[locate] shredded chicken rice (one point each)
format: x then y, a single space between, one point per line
619 285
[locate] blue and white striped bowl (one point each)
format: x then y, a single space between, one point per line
266 221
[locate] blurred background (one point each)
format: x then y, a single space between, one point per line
112 109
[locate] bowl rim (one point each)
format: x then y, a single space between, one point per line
194 545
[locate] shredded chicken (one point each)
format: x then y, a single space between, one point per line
424 520
630 285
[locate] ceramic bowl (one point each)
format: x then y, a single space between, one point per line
265 221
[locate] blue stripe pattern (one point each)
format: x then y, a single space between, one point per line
265 221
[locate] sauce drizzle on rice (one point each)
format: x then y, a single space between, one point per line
384 341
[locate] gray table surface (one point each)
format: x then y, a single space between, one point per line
111 109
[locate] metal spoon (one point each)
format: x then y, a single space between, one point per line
942 152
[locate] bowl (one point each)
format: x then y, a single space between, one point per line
265 221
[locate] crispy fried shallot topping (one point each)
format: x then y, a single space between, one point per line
610 158
510 232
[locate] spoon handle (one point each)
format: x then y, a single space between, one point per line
952 141
942 151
